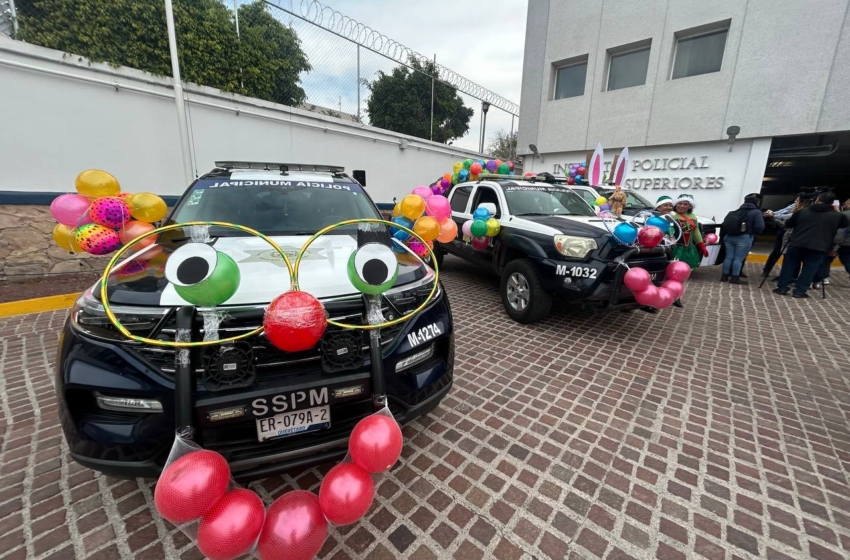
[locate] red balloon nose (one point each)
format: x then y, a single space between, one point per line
295 321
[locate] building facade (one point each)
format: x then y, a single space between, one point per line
717 98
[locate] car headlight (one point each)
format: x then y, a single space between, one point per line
89 316
574 247
408 297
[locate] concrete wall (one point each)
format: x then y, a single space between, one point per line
61 114
786 70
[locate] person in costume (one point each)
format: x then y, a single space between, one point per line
664 205
690 248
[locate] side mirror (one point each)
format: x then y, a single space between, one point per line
360 176
489 206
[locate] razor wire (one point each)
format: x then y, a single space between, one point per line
340 24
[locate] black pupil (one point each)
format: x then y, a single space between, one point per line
375 272
192 270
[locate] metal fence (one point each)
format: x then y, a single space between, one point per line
355 73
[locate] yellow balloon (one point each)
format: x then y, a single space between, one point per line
397 210
94 183
65 237
601 200
427 227
457 167
493 227
147 207
412 206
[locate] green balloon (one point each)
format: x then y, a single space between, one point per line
478 228
504 169
455 179
467 163
218 288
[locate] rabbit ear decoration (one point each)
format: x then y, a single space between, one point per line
619 175
596 167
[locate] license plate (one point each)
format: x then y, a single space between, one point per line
295 422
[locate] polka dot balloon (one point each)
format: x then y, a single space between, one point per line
109 212
97 240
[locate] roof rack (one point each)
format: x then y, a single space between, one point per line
283 167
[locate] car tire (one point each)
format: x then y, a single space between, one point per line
522 293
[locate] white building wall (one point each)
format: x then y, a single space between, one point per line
60 114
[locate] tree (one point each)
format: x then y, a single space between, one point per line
503 145
133 33
401 101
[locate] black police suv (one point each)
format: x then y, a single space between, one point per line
249 399
550 244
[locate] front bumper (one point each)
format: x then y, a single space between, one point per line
136 444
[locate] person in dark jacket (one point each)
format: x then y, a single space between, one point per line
738 245
815 229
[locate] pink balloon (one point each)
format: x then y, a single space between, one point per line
439 207
71 210
637 279
676 288
665 298
424 192
711 238
647 296
480 243
678 270
467 228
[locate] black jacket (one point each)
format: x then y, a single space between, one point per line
755 220
815 227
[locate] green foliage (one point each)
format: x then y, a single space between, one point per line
503 145
401 101
133 33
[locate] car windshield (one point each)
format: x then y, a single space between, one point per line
545 200
274 207
633 200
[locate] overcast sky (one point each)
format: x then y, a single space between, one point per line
481 40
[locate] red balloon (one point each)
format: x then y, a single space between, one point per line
678 270
375 443
232 526
295 321
571 181
191 485
647 296
582 170
346 494
295 528
511 165
675 287
637 279
650 236
475 169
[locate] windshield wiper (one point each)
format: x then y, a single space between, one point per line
533 214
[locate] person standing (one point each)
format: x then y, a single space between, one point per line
779 217
815 229
844 237
690 249
740 229
664 205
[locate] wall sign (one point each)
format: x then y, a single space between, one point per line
688 172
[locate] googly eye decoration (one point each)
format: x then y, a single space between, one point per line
201 275
373 268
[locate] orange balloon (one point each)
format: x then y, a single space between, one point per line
427 227
134 229
447 177
498 162
412 206
448 231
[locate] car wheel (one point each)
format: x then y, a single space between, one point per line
523 295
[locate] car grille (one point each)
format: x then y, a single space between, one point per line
266 361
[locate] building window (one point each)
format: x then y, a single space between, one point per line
569 80
628 69
701 54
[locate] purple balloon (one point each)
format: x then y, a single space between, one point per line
436 188
467 228
445 183
491 165
605 207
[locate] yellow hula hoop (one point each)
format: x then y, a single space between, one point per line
104 300
373 221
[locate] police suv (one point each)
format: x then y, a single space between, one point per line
551 245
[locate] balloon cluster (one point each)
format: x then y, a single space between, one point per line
602 203
481 228
577 174
650 235
100 218
639 281
428 214
197 486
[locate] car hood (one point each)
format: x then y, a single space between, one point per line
582 226
263 273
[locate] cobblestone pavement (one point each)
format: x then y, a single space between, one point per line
719 432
